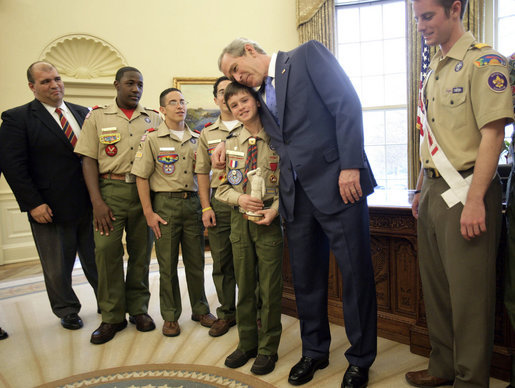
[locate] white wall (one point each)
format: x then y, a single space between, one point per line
162 38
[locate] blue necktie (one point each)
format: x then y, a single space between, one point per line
271 101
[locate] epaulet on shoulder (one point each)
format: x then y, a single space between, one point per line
195 132
479 46
97 107
153 110
151 130
208 124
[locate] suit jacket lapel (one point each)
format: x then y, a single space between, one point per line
80 119
49 122
282 71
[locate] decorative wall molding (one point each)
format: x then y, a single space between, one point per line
83 57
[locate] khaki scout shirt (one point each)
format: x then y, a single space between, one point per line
166 161
210 137
467 89
112 139
236 153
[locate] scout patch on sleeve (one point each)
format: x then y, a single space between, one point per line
497 82
490 60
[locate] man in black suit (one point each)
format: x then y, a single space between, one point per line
37 159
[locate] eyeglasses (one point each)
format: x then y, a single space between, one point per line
175 103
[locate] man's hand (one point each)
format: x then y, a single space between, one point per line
208 218
350 188
414 205
153 220
218 157
472 220
102 217
250 204
42 214
269 216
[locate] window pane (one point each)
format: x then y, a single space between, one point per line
396 126
349 56
396 166
373 125
395 56
506 7
348 25
506 31
376 155
394 19
371 21
372 58
396 89
373 91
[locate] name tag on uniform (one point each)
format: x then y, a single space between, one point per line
216 141
110 129
234 153
166 148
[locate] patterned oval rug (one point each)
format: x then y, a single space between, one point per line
161 376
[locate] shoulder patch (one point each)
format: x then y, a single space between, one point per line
497 82
490 60
480 45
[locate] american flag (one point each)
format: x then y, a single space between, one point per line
424 68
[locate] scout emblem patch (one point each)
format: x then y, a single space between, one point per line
193 140
111 150
110 138
490 60
497 82
235 177
459 66
147 119
168 168
167 157
252 140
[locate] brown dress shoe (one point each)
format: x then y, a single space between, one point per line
106 332
171 329
143 322
422 378
205 320
221 326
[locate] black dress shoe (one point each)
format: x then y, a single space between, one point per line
355 377
71 321
106 332
303 371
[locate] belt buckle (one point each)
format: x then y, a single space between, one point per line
185 195
130 178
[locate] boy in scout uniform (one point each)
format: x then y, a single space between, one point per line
165 165
216 215
467 103
257 245
108 143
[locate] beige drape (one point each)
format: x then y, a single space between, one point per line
315 20
473 20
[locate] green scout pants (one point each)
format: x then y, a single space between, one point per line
258 252
184 218
116 294
458 282
223 267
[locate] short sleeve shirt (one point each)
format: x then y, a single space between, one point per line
166 161
467 89
210 137
267 160
112 139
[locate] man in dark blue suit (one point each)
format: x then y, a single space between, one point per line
313 115
37 159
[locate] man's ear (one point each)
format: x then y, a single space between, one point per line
31 86
250 50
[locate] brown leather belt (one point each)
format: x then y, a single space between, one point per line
127 178
178 194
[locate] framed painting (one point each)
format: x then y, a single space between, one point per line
199 94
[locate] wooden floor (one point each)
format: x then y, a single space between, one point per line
39 350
